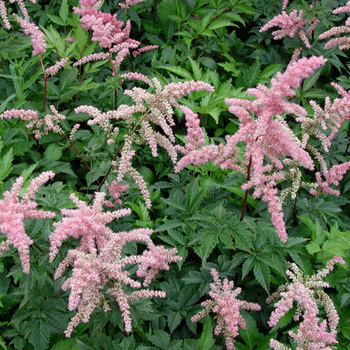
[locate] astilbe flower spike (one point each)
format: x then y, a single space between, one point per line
307 292
342 41
36 35
14 211
225 304
267 136
99 262
151 111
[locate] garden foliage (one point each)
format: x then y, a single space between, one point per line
174 174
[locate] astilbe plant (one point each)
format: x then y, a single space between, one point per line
308 293
99 276
225 304
14 211
150 111
272 152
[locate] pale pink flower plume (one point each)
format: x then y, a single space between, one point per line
53 70
291 25
36 35
24 114
307 292
154 128
267 136
14 211
99 262
144 49
129 3
343 41
225 304
89 223
4 16
106 29
115 189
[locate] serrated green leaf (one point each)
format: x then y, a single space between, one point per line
4 103
310 81
179 71
174 319
168 225
208 242
53 152
39 335
196 69
160 339
313 248
64 11
206 340
247 265
284 320
81 37
262 274
55 19
66 344
220 23
194 196
6 165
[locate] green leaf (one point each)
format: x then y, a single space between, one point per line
262 274
313 248
179 71
4 104
196 69
64 11
241 193
220 23
194 196
206 340
39 335
53 152
247 265
209 241
160 339
310 81
168 225
6 165
174 319
66 344
56 19
81 37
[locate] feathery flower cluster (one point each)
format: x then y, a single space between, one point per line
57 66
3 11
4 16
115 189
106 29
13 212
343 41
267 137
129 3
225 304
36 35
291 25
144 49
109 33
26 115
307 292
99 262
149 109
